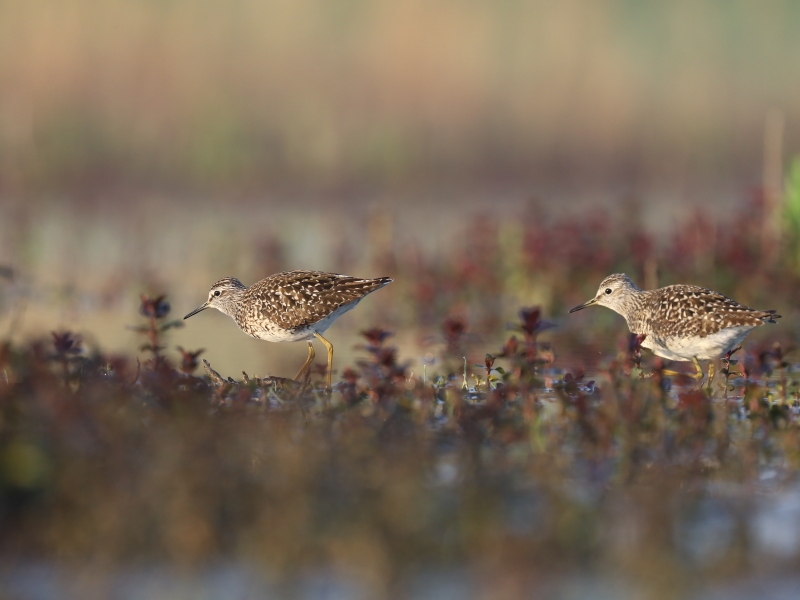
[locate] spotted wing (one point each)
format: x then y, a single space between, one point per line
297 299
690 310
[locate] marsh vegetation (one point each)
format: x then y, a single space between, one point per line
507 449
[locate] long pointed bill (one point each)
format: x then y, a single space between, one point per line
584 305
196 310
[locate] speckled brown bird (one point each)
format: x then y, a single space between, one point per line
290 307
680 322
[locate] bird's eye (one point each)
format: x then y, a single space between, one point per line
608 290
217 292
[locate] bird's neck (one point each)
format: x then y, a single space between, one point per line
233 303
631 308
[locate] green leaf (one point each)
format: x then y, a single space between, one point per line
791 210
500 370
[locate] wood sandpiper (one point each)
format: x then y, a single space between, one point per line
290 307
681 322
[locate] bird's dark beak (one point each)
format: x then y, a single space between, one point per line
196 310
582 306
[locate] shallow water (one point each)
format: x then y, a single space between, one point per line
226 581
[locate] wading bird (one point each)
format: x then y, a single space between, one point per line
680 322
293 306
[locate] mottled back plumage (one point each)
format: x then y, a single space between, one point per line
298 299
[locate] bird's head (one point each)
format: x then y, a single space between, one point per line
221 296
614 292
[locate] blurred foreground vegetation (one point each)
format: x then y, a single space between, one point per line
517 478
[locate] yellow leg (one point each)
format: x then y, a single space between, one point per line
329 346
711 371
698 369
306 364
698 374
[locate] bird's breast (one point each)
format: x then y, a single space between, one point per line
703 347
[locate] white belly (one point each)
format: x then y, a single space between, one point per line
275 334
709 347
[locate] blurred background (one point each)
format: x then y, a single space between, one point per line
159 146
332 98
